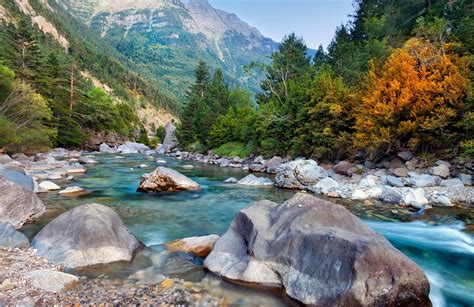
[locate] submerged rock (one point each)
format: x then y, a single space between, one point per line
165 179
198 246
86 235
12 238
319 253
252 180
46 186
17 204
73 191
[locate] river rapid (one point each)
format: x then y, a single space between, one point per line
441 241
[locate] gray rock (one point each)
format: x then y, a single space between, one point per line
343 168
252 180
441 200
391 196
257 168
299 174
17 177
416 199
422 180
451 183
164 179
231 180
5 159
401 172
273 164
104 148
84 236
87 160
396 163
12 238
325 186
369 181
466 179
171 141
27 301
394 181
445 163
440 170
319 254
51 281
17 204
405 155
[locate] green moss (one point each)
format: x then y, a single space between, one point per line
234 149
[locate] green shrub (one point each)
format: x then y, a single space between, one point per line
234 149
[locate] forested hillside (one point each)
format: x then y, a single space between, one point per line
399 76
165 39
50 91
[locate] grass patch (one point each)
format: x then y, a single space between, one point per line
234 149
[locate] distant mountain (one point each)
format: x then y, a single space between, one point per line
167 38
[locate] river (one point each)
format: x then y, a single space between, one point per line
441 241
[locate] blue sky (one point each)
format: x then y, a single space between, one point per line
315 20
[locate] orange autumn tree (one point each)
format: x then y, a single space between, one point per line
413 101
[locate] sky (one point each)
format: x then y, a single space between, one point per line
314 20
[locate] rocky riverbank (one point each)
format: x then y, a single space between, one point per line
18 286
402 180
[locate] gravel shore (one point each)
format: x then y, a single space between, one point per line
17 288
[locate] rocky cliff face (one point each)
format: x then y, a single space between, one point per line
167 37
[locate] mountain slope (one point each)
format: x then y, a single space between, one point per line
167 38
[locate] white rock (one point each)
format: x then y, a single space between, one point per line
374 192
72 190
231 180
51 281
441 200
48 186
188 166
416 198
369 181
359 195
325 186
161 161
252 180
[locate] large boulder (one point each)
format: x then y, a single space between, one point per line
18 176
86 235
17 204
319 253
12 238
171 141
165 179
273 164
299 174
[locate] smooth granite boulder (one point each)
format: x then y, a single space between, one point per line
84 236
164 179
17 204
319 253
299 174
12 238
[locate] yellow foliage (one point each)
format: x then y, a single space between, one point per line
418 88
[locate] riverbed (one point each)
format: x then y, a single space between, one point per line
441 241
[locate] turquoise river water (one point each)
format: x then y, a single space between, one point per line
441 241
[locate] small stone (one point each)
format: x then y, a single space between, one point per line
396 163
26 302
231 180
334 194
394 181
7 285
187 285
188 166
401 172
359 195
440 170
46 186
167 283
73 191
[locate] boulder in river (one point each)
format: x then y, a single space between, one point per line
164 179
104 148
12 238
84 236
198 246
252 180
17 204
319 253
299 174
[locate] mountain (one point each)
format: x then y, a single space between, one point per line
166 39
